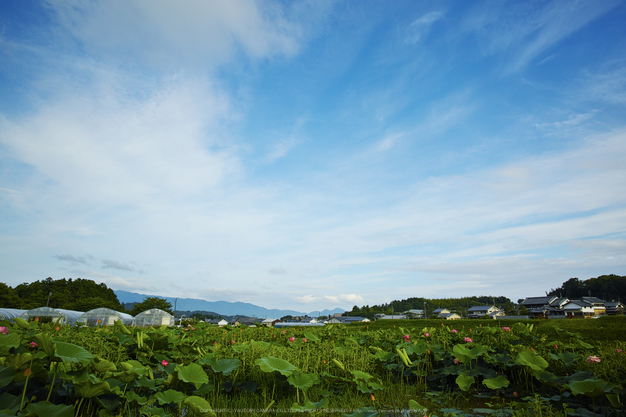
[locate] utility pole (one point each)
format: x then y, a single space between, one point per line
425 315
48 302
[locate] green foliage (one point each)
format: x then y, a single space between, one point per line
606 287
361 370
79 294
9 297
149 303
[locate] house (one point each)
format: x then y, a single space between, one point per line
536 302
450 316
578 309
414 314
392 317
559 302
597 304
479 312
270 322
219 322
347 319
440 311
614 307
546 312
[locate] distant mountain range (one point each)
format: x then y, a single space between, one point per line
222 307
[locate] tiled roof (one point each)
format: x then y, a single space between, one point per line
538 300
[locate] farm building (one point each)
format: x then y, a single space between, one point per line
154 317
105 317
10 313
49 314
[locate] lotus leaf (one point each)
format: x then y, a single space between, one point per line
568 358
90 389
47 409
45 344
10 402
303 381
496 383
271 364
9 341
591 387
464 381
532 360
70 353
465 354
7 373
104 366
199 407
170 396
415 406
225 366
310 406
21 323
133 396
361 375
193 374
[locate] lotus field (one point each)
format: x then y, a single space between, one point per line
418 367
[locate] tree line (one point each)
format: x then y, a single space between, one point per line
607 287
71 294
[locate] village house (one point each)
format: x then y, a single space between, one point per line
391 317
450 316
347 319
614 307
481 312
414 314
440 311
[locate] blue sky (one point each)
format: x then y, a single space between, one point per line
311 155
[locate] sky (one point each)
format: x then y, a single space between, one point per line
313 154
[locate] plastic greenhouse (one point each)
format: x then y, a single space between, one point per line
49 314
10 313
154 317
105 317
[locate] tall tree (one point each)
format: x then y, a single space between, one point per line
9 297
150 303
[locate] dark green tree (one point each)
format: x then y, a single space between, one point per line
152 302
9 297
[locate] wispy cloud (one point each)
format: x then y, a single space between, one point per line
193 34
420 26
526 30
72 259
111 264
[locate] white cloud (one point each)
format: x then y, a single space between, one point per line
117 149
529 30
183 34
420 26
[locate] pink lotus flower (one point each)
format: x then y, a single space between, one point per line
455 331
592 359
292 339
232 342
33 344
426 334
406 337
456 361
468 340
619 350
164 362
4 330
304 339
506 329
284 331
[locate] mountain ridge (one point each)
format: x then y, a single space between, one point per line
221 307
